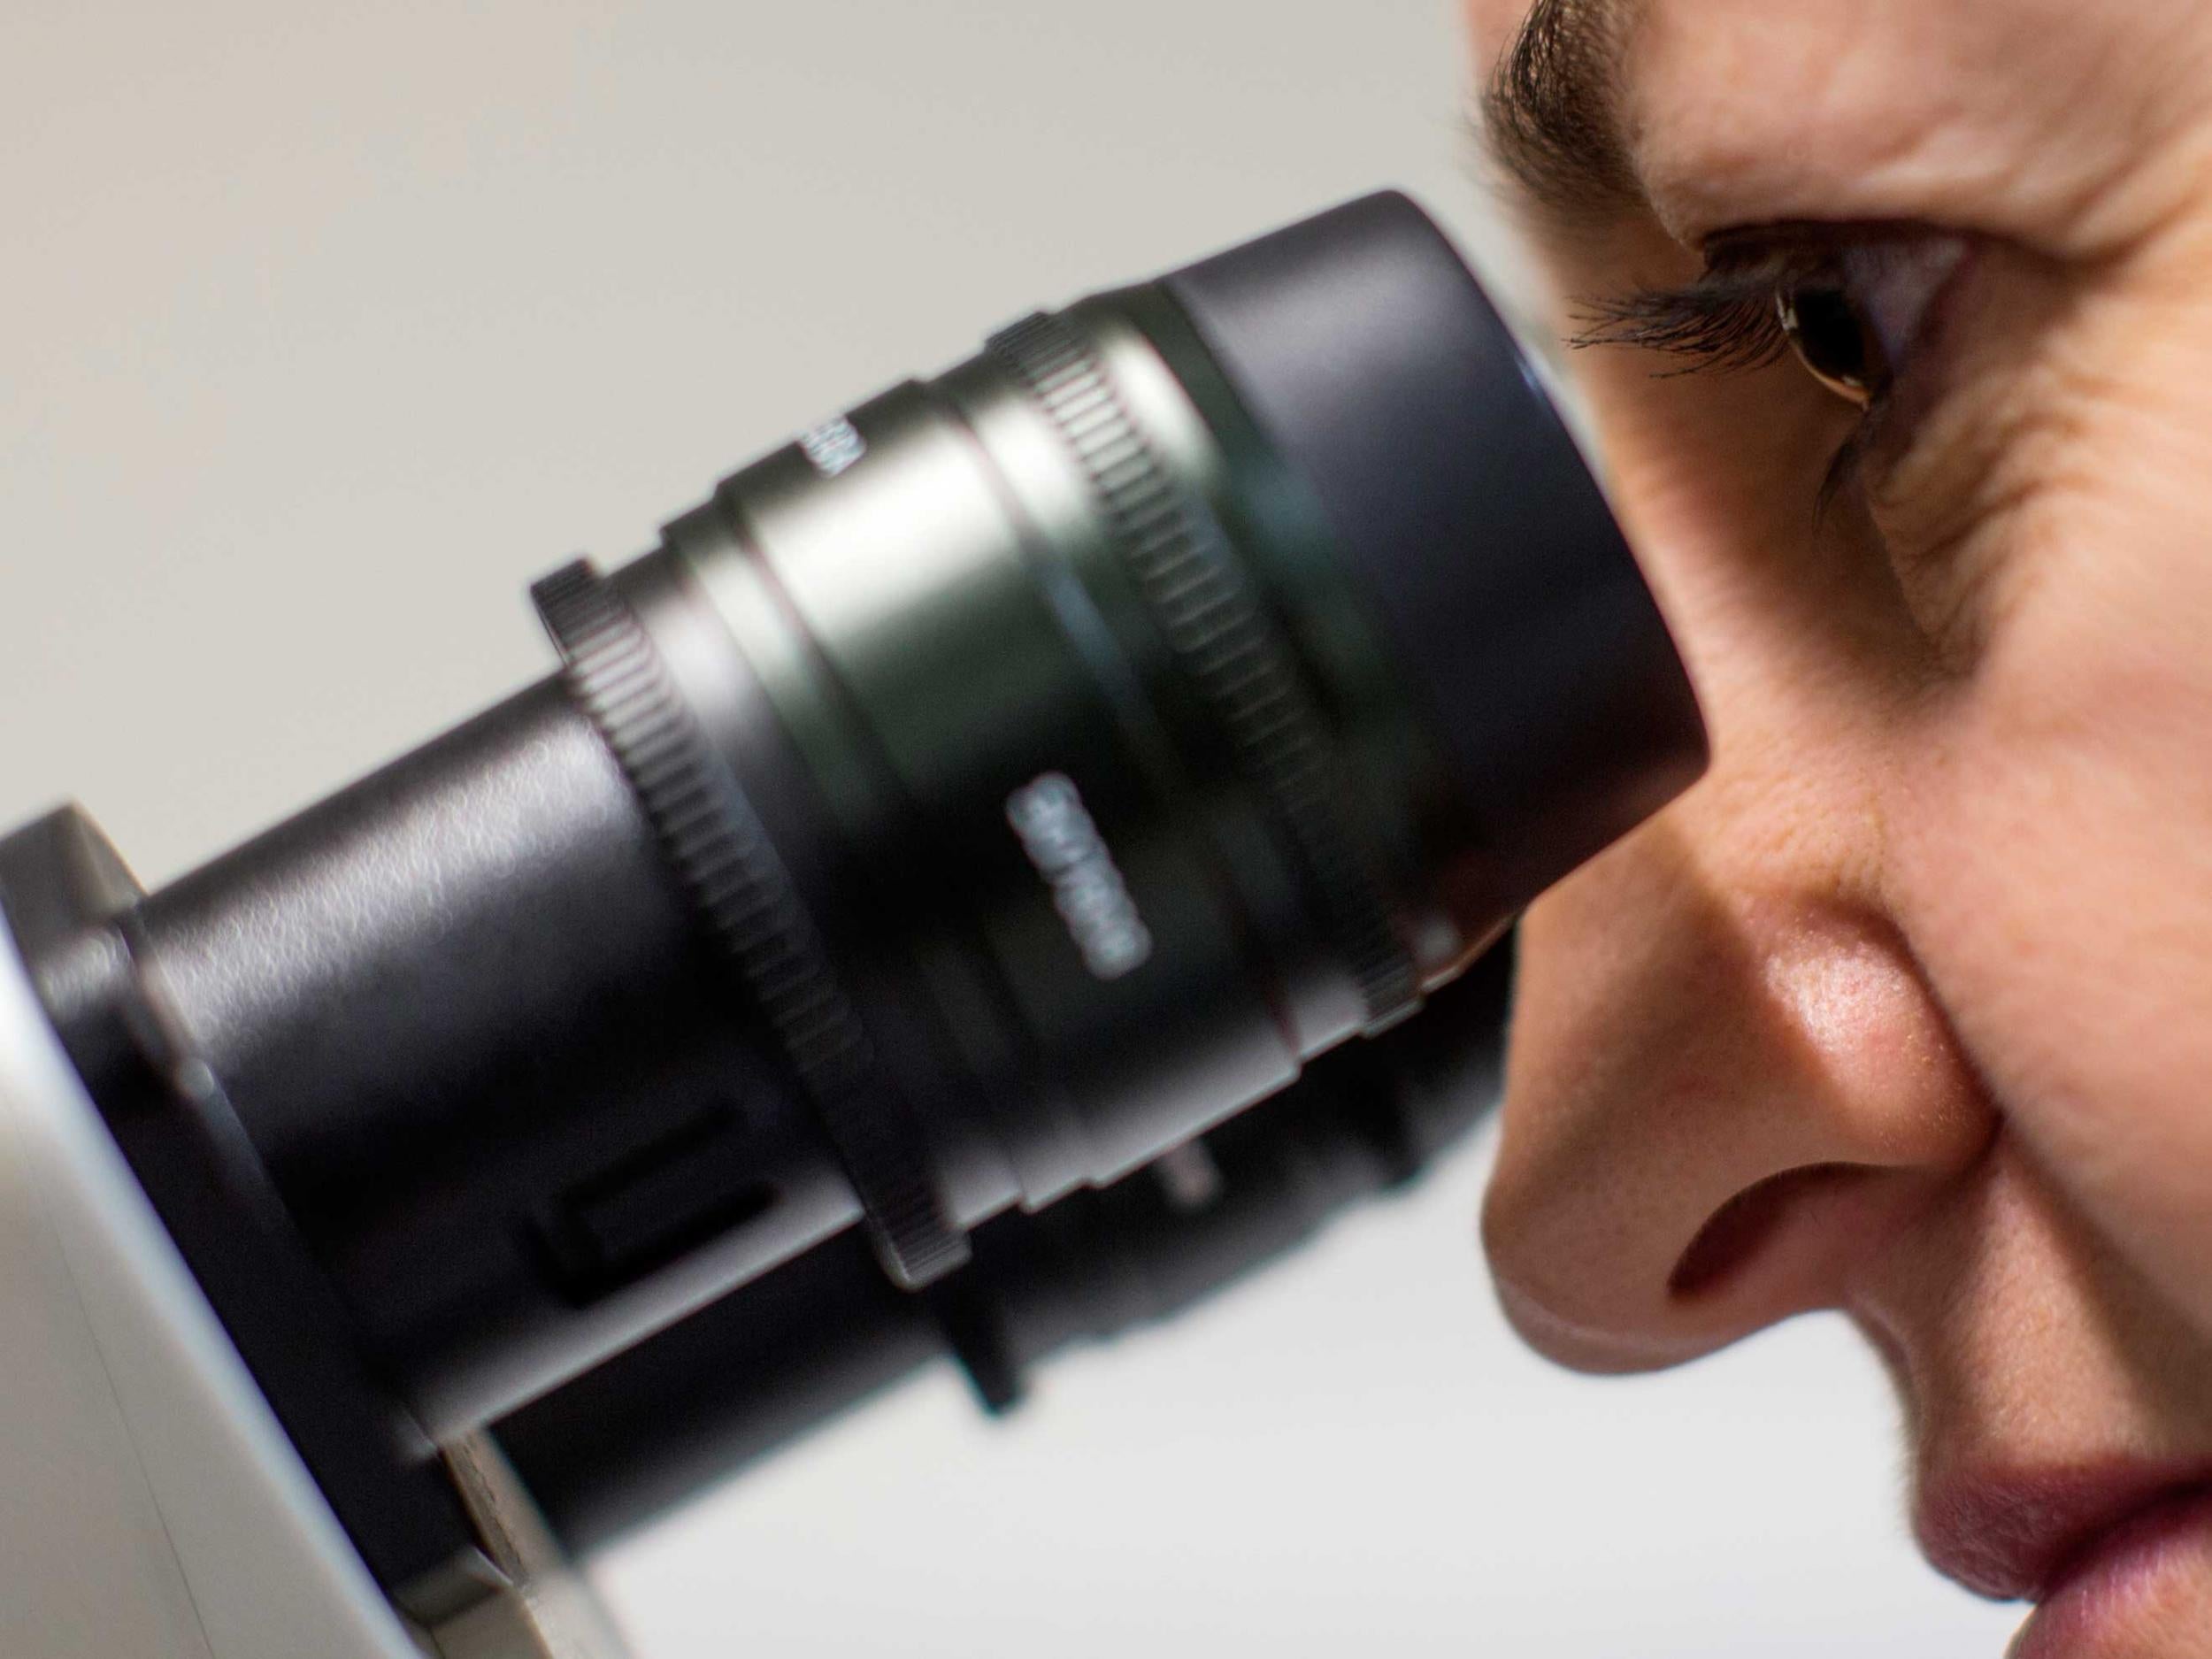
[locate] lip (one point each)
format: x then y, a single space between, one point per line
2039 1533
2112 1587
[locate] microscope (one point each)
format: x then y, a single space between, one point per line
1017 858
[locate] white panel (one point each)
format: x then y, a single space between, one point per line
150 1507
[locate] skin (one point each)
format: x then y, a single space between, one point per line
1903 1011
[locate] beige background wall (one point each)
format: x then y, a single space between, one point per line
323 329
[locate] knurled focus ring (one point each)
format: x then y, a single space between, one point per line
1194 587
744 897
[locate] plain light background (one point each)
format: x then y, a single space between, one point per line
323 329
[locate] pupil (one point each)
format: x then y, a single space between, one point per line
1831 339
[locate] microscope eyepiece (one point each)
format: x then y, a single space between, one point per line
996 787
1489 559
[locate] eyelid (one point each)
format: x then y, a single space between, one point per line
1898 282
1728 317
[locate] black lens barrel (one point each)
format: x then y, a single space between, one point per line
1004 783
1367 351
741 1379
1280 578
463 1014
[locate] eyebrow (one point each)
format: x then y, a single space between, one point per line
1553 109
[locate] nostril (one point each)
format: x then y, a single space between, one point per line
1742 1228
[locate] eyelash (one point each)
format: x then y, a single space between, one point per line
1728 321
1725 320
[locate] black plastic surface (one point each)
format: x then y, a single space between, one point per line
464 1016
446 1100
781 1356
1364 347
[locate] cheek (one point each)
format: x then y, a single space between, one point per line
2053 858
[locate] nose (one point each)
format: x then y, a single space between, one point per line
1728 1084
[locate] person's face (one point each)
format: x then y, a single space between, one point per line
1906 1009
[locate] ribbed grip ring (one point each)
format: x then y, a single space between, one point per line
744 897
1221 638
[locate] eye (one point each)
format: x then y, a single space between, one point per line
1822 321
1852 303
1853 315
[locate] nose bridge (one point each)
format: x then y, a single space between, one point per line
1728 1079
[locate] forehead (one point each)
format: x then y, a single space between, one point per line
1971 110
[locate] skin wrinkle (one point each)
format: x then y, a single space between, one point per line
1966 611
1941 914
